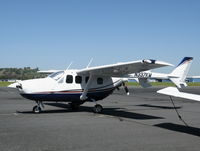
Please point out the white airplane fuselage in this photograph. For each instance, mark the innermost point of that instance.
(68, 86)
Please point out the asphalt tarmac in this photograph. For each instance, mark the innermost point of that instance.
(142, 121)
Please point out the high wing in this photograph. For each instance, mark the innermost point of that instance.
(122, 69)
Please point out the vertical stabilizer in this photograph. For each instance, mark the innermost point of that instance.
(181, 72)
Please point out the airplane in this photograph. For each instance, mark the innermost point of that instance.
(177, 76)
(172, 91)
(85, 85)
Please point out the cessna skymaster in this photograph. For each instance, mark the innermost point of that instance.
(86, 85)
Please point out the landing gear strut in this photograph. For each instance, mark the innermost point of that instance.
(38, 108)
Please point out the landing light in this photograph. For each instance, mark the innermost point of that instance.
(148, 61)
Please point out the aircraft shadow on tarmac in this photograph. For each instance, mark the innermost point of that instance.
(117, 112)
(120, 113)
(159, 107)
(180, 128)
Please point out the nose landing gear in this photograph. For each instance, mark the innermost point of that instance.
(38, 108)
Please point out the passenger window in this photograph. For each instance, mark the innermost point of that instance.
(69, 79)
(99, 81)
(78, 79)
(86, 79)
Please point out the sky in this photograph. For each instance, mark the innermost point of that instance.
(50, 34)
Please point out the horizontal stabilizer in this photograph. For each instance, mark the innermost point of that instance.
(172, 91)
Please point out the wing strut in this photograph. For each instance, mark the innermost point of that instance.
(85, 91)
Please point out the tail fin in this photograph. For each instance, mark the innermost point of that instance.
(181, 72)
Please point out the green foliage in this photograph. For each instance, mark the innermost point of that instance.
(167, 84)
(19, 73)
(193, 84)
(133, 84)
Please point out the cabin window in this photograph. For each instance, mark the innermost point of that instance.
(99, 81)
(69, 79)
(78, 79)
(86, 79)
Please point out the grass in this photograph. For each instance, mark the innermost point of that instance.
(194, 84)
(5, 84)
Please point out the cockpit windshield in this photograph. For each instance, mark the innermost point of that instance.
(56, 75)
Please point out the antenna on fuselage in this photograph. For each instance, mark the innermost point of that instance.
(69, 65)
(89, 63)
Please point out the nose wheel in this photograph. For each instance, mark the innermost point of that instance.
(38, 108)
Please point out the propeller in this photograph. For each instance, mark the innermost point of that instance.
(17, 85)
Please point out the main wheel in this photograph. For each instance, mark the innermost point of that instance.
(98, 108)
(37, 109)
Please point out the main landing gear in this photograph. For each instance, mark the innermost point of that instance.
(74, 106)
(38, 108)
(97, 108)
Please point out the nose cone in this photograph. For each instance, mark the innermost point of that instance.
(35, 85)
(21, 86)
(15, 85)
(18, 86)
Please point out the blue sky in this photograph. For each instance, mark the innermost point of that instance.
(49, 34)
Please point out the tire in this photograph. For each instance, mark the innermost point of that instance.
(98, 108)
(37, 109)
